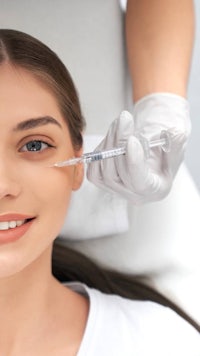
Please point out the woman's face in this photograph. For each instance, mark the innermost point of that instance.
(33, 135)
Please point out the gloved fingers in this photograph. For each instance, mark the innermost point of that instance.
(171, 160)
(109, 139)
(179, 138)
(118, 132)
(117, 135)
(94, 173)
(95, 170)
(162, 110)
(134, 176)
(111, 183)
(124, 129)
(135, 171)
(103, 173)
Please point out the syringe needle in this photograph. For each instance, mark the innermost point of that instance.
(164, 142)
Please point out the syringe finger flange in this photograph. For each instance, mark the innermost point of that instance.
(165, 135)
(164, 142)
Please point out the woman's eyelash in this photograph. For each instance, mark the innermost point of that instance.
(35, 146)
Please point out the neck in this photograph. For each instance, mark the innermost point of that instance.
(38, 314)
(25, 299)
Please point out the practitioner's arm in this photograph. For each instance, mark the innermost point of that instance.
(159, 36)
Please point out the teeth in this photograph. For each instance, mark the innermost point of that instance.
(5, 225)
(12, 224)
(20, 222)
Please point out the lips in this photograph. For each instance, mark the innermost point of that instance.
(15, 231)
(14, 217)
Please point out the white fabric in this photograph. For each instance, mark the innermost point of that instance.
(122, 327)
(94, 212)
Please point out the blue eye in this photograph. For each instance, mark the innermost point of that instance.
(35, 146)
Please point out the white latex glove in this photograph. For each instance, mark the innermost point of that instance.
(135, 177)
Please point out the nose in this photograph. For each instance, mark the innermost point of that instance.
(9, 185)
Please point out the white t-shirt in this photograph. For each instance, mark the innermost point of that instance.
(118, 326)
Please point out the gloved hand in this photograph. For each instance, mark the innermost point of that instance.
(133, 175)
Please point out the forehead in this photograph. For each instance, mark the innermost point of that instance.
(23, 95)
(17, 75)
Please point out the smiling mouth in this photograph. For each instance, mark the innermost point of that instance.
(10, 232)
(7, 225)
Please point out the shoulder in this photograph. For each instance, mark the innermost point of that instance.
(123, 326)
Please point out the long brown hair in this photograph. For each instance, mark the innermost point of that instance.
(22, 50)
(69, 265)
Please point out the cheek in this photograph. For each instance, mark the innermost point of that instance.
(45, 193)
(49, 191)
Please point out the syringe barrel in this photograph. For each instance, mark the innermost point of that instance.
(97, 156)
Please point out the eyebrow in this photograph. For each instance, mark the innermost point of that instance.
(36, 122)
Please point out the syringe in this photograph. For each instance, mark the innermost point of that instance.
(164, 142)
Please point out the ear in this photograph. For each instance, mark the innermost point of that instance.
(78, 173)
(78, 176)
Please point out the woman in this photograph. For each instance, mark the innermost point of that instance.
(41, 123)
